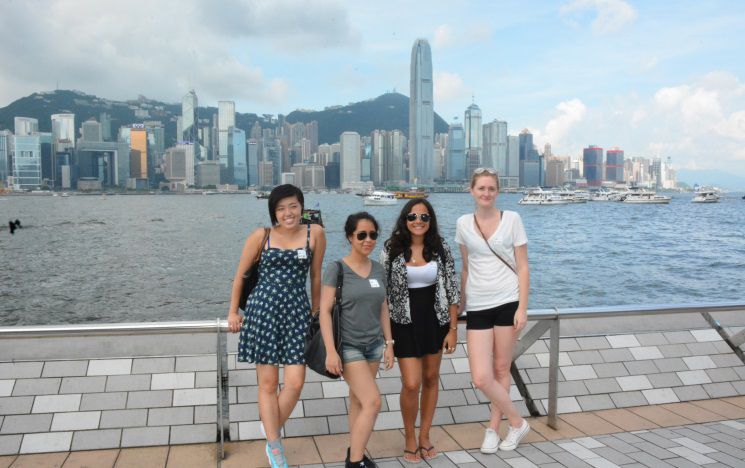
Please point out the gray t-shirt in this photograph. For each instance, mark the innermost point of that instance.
(361, 299)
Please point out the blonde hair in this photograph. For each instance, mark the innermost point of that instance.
(484, 172)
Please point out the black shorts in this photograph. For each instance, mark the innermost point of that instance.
(500, 316)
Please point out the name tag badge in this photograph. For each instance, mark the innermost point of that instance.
(374, 283)
(302, 254)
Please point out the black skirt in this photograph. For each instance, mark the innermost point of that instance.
(424, 335)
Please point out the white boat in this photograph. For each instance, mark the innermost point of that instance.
(541, 197)
(705, 196)
(380, 198)
(648, 198)
(604, 194)
(571, 196)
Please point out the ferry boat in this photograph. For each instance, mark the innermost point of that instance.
(705, 196)
(262, 195)
(604, 194)
(541, 197)
(411, 193)
(380, 198)
(571, 196)
(648, 198)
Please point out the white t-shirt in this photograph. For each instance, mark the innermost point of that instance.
(490, 283)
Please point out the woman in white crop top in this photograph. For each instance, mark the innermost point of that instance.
(495, 283)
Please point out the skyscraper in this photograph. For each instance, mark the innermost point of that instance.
(63, 131)
(138, 152)
(592, 158)
(27, 161)
(511, 177)
(252, 156)
(614, 165)
(25, 126)
(495, 146)
(455, 168)
(421, 114)
(472, 128)
(6, 140)
(351, 167)
(225, 120)
(189, 105)
(237, 157)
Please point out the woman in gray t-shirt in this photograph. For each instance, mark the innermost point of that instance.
(365, 330)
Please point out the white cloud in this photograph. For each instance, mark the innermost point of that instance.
(448, 87)
(568, 115)
(163, 50)
(610, 15)
(443, 36)
(446, 36)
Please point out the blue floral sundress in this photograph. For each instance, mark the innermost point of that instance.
(278, 311)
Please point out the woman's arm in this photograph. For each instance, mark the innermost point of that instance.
(385, 324)
(523, 279)
(328, 296)
(319, 249)
(463, 277)
(250, 251)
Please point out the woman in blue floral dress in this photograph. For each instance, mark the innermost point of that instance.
(278, 310)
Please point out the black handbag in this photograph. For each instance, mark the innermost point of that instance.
(315, 349)
(251, 277)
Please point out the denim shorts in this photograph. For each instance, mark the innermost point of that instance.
(372, 352)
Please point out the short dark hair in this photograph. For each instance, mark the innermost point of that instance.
(279, 193)
(355, 218)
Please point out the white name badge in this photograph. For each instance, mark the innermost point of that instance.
(374, 283)
(302, 254)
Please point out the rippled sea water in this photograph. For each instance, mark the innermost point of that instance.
(150, 258)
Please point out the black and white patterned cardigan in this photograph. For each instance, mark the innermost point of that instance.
(447, 290)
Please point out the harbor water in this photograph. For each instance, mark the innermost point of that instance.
(94, 259)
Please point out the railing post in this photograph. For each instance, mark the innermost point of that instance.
(223, 423)
(553, 371)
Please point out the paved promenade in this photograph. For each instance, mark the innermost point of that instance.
(707, 433)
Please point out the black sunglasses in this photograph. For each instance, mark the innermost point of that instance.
(425, 217)
(362, 235)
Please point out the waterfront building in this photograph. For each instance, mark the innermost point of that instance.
(47, 159)
(178, 164)
(439, 154)
(350, 167)
(225, 120)
(377, 159)
(25, 126)
(309, 176)
(365, 163)
(336, 152)
(592, 158)
(252, 156)
(287, 178)
(207, 174)
(614, 165)
(473, 133)
(272, 152)
(331, 174)
(323, 155)
(107, 161)
(421, 114)
(27, 161)
(255, 133)
(394, 147)
(456, 158)
(138, 151)
(105, 120)
(495, 146)
(91, 131)
(555, 168)
(266, 174)
(189, 119)
(510, 178)
(63, 131)
(6, 142)
(311, 133)
(237, 161)
(530, 171)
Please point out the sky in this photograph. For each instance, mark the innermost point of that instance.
(655, 78)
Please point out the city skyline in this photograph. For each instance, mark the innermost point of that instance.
(657, 80)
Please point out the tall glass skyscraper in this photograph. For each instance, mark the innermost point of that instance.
(6, 140)
(472, 128)
(455, 168)
(614, 161)
(592, 160)
(351, 163)
(189, 117)
(495, 146)
(25, 126)
(237, 158)
(63, 129)
(27, 162)
(225, 120)
(252, 155)
(421, 114)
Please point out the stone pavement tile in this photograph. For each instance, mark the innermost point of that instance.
(654, 450)
(666, 379)
(735, 442)
(727, 459)
(5, 462)
(301, 451)
(720, 390)
(679, 337)
(674, 351)
(41, 460)
(144, 457)
(626, 399)
(534, 454)
(564, 431)
(440, 439)
(692, 412)
(569, 460)
(660, 416)
(724, 374)
(691, 392)
(613, 455)
(626, 419)
(691, 434)
(648, 460)
(332, 448)
(617, 444)
(659, 396)
(192, 456)
(656, 439)
(628, 437)
(670, 365)
(692, 455)
(92, 459)
(492, 461)
(622, 341)
(606, 385)
(651, 339)
(468, 436)
(246, 454)
(726, 409)
(547, 447)
(739, 401)
(610, 369)
(459, 457)
(595, 402)
(384, 444)
(693, 445)
(590, 424)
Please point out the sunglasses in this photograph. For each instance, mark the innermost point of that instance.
(362, 235)
(487, 170)
(411, 217)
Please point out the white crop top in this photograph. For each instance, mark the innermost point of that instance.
(421, 276)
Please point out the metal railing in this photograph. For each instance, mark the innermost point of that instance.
(548, 320)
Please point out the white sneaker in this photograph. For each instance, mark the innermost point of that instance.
(514, 436)
(491, 441)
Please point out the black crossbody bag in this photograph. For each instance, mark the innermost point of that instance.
(315, 349)
(251, 277)
(487, 241)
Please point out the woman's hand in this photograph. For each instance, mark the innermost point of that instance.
(521, 318)
(234, 322)
(333, 363)
(448, 345)
(388, 357)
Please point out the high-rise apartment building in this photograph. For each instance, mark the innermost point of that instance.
(511, 176)
(237, 156)
(225, 120)
(27, 161)
(592, 158)
(138, 152)
(614, 165)
(555, 168)
(455, 165)
(252, 157)
(473, 133)
(421, 114)
(350, 167)
(495, 146)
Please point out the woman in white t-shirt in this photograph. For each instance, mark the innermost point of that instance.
(494, 293)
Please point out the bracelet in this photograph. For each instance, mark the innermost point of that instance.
(454, 328)
(387, 342)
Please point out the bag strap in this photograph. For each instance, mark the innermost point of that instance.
(307, 241)
(261, 249)
(487, 242)
(339, 282)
